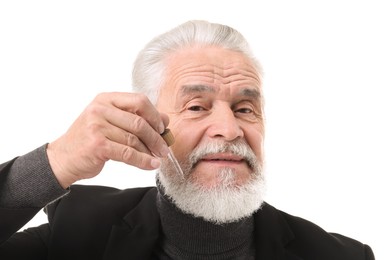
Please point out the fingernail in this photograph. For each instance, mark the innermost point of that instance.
(164, 151)
(155, 163)
(161, 128)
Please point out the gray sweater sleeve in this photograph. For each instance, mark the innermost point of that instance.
(30, 182)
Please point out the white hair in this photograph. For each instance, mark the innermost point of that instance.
(225, 202)
(149, 66)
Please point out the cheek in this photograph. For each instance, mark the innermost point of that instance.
(187, 137)
(255, 139)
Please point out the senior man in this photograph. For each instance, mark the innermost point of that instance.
(203, 80)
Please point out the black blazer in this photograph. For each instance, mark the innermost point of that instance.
(95, 222)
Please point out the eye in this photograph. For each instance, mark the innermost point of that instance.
(247, 111)
(244, 110)
(196, 108)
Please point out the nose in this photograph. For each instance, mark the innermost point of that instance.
(224, 124)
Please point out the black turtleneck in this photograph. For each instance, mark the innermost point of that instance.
(187, 237)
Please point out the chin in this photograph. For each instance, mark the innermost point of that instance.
(218, 182)
(228, 177)
(220, 200)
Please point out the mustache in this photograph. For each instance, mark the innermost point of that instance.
(238, 147)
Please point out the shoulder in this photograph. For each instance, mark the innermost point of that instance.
(100, 201)
(85, 218)
(4, 167)
(309, 240)
(101, 194)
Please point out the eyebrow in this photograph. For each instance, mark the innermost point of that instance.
(250, 92)
(186, 90)
(190, 89)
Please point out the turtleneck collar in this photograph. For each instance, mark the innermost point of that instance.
(188, 237)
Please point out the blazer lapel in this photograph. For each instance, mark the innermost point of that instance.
(272, 233)
(138, 233)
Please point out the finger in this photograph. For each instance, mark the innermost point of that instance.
(129, 155)
(165, 119)
(135, 128)
(138, 104)
(120, 136)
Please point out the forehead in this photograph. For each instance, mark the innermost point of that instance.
(210, 66)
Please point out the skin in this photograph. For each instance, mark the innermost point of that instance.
(213, 94)
(126, 127)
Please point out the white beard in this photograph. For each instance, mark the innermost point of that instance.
(227, 202)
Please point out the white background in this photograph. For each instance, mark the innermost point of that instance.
(327, 85)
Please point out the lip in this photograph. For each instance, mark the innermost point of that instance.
(223, 158)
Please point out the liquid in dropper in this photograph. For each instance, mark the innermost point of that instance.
(169, 139)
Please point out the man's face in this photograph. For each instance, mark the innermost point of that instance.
(213, 95)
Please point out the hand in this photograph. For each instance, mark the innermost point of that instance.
(124, 127)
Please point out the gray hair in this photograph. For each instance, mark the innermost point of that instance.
(149, 66)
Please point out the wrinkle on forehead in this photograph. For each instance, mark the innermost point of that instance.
(216, 72)
(214, 60)
(212, 69)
